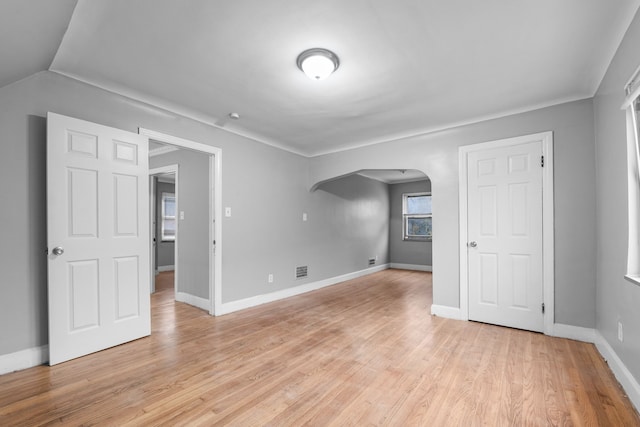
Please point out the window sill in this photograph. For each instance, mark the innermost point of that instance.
(633, 278)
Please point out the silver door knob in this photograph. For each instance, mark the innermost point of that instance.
(58, 250)
(473, 244)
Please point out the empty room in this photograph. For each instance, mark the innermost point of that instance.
(288, 213)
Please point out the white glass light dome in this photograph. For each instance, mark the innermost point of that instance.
(317, 63)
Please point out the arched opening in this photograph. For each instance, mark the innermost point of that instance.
(409, 220)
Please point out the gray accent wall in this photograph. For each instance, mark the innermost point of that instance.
(616, 298)
(265, 187)
(436, 154)
(165, 250)
(406, 251)
(193, 231)
(192, 275)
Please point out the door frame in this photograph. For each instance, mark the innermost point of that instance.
(152, 196)
(215, 209)
(548, 268)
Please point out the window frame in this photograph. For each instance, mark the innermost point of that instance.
(631, 105)
(163, 216)
(406, 217)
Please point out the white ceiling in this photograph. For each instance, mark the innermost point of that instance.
(30, 33)
(407, 66)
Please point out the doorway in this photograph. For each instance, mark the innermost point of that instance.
(210, 209)
(163, 209)
(506, 232)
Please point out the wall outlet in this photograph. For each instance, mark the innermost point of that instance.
(227, 212)
(270, 278)
(181, 214)
(620, 334)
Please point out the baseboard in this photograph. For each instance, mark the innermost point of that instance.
(574, 332)
(193, 300)
(622, 374)
(230, 307)
(446, 311)
(416, 267)
(24, 359)
(162, 268)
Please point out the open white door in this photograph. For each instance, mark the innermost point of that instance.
(98, 237)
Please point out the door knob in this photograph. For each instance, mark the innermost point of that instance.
(473, 244)
(58, 250)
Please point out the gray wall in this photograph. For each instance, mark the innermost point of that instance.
(406, 251)
(192, 276)
(265, 187)
(617, 299)
(436, 154)
(165, 251)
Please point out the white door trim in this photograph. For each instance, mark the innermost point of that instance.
(215, 209)
(155, 171)
(546, 139)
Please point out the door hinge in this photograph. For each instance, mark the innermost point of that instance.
(542, 308)
(541, 161)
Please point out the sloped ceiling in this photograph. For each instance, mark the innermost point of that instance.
(407, 66)
(30, 33)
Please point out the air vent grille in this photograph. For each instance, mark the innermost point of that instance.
(302, 272)
(372, 261)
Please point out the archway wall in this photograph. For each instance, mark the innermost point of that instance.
(436, 154)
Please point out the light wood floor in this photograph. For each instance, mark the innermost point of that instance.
(365, 352)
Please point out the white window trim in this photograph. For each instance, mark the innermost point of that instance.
(406, 217)
(163, 217)
(632, 91)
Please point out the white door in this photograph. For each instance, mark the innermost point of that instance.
(98, 237)
(505, 264)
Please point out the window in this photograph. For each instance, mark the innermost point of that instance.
(416, 216)
(168, 227)
(632, 107)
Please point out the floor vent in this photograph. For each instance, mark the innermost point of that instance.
(302, 272)
(372, 261)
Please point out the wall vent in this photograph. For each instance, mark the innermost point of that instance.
(372, 261)
(302, 272)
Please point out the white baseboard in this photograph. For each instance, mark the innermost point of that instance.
(230, 307)
(165, 268)
(574, 332)
(193, 300)
(622, 374)
(24, 359)
(446, 311)
(416, 267)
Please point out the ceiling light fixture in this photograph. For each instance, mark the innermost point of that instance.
(318, 63)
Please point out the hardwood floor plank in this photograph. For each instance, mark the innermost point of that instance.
(365, 352)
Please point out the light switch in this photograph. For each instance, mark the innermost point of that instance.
(181, 214)
(227, 211)
(304, 216)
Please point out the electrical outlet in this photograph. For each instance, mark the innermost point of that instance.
(620, 334)
(270, 278)
(227, 212)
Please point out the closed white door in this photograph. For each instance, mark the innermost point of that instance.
(98, 237)
(505, 264)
